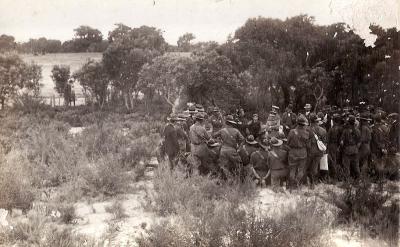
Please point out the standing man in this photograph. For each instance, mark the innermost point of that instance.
(198, 138)
(254, 127)
(298, 142)
(249, 147)
(171, 142)
(216, 120)
(259, 167)
(307, 109)
(317, 134)
(288, 119)
(229, 158)
(334, 134)
(278, 162)
(378, 144)
(351, 142)
(365, 148)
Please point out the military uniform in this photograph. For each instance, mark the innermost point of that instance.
(171, 143)
(278, 163)
(334, 134)
(229, 159)
(365, 148)
(288, 121)
(378, 146)
(259, 162)
(245, 152)
(351, 140)
(254, 128)
(198, 138)
(298, 141)
(315, 154)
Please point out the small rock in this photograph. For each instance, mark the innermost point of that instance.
(3, 216)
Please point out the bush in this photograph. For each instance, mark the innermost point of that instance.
(15, 183)
(208, 212)
(39, 231)
(370, 208)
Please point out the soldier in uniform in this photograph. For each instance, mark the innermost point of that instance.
(210, 160)
(351, 141)
(229, 159)
(198, 138)
(259, 164)
(278, 162)
(254, 126)
(315, 154)
(307, 111)
(378, 144)
(247, 149)
(334, 134)
(171, 142)
(216, 120)
(298, 141)
(288, 119)
(365, 148)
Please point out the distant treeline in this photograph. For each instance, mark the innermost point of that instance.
(87, 39)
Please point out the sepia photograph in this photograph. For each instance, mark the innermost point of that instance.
(199, 123)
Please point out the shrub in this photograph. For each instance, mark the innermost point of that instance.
(15, 190)
(370, 208)
(67, 213)
(117, 210)
(207, 212)
(39, 231)
(104, 176)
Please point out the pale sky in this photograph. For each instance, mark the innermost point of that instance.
(206, 19)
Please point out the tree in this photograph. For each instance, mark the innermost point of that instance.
(184, 42)
(166, 76)
(61, 75)
(16, 75)
(93, 80)
(85, 38)
(127, 53)
(7, 43)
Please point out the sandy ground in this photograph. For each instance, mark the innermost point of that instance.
(96, 221)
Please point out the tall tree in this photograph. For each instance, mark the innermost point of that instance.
(61, 75)
(129, 50)
(184, 42)
(16, 75)
(93, 80)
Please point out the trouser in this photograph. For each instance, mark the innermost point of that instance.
(297, 169)
(230, 162)
(172, 160)
(333, 155)
(364, 163)
(278, 177)
(351, 165)
(313, 168)
(197, 155)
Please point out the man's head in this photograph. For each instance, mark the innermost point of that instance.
(241, 112)
(275, 142)
(351, 120)
(229, 120)
(289, 108)
(199, 117)
(255, 117)
(302, 120)
(307, 107)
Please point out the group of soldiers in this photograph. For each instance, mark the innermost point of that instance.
(304, 148)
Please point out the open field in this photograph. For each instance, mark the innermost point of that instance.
(74, 60)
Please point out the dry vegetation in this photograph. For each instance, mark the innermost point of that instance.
(45, 170)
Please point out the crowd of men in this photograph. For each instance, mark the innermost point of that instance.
(304, 148)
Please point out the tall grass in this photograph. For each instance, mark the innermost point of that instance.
(202, 211)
